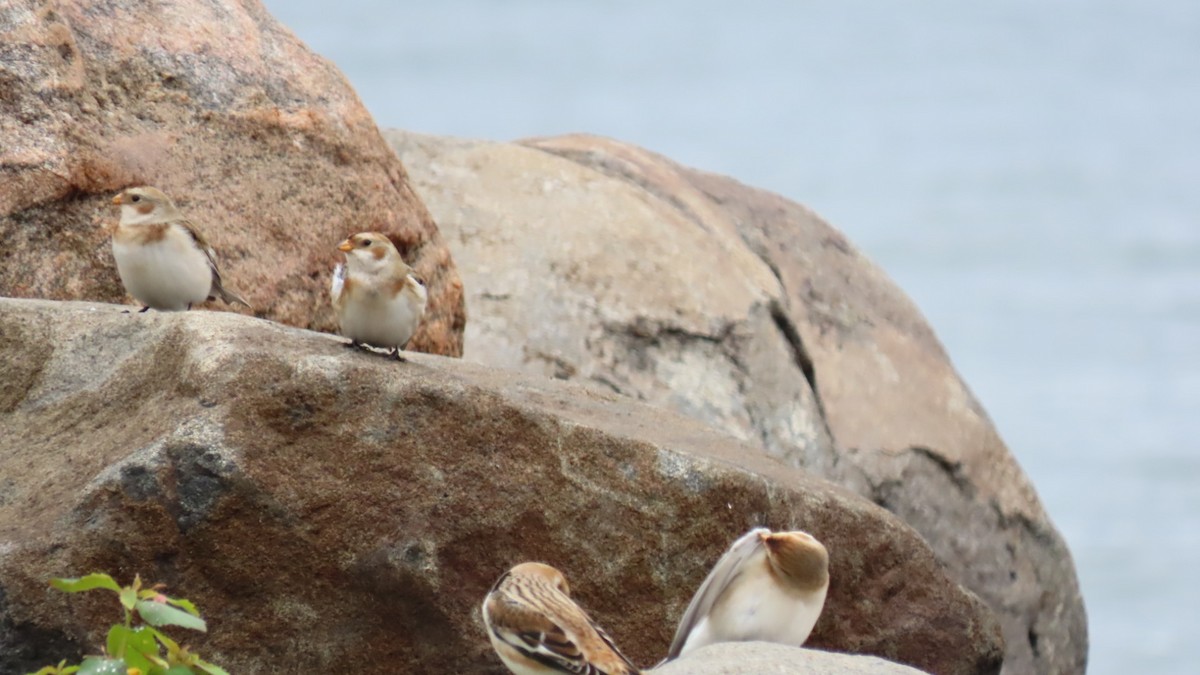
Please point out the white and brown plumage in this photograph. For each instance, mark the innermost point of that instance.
(537, 629)
(163, 260)
(768, 586)
(378, 299)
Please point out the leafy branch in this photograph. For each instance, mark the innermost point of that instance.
(139, 649)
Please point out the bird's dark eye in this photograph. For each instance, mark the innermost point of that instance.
(419, 280)
(366, 243)
(135, 198)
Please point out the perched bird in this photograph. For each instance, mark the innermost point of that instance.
(537, 628)
(378, 299)
(768, 586)
(163, 260)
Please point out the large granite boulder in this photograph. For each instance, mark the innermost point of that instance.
(263, 143)
(761, 658)
(332, 510)
(591, 260)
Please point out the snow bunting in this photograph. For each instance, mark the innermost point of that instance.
(537, 628)
(768, 586)
(163, 260)
(378, 299)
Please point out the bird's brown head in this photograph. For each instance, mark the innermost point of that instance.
(798, 558)
(144, 203)
(372, 253)
(542, 573)
(375, 244)
(144, 197)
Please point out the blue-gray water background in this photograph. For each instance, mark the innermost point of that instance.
(1027, 170)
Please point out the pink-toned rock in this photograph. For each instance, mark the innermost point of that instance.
(260, 141)
(335, 511)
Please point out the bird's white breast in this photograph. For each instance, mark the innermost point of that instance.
(379, 318)
(757, 607)
(168, 274)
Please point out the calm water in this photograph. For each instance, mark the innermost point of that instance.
(1029, 171)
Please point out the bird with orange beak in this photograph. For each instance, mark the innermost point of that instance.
(378, 298)
(163, 260)
(769, 586)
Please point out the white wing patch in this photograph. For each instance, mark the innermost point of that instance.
(718, 581)
(339, 280)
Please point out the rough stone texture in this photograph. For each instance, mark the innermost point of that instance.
(335, 511)
(588, 259)
(260, 141)
(763, 658)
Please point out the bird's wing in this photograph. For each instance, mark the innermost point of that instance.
(614, 662)
(337, 283)
(534, 635)
(218, 290)
(201, 243)
(540, 637)
(722, 575)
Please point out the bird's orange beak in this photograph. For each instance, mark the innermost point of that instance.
(119, 199)
(346, 246)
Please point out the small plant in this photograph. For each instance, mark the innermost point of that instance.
(138, 650)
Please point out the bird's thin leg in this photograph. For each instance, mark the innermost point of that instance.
(144, 309)
(189, 306)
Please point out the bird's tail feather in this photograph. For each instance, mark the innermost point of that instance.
(229, 296)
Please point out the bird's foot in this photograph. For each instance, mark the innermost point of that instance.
(144, 309)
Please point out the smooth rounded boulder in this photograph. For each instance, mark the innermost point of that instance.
(592, 260)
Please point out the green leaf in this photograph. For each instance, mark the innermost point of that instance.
(136, 660)
(94, 665)
(118, 635)
(158, 665)
(161, 614)
(184, 604)
(171, 645)
(86, 583)
(180, 670)
(132, 644)
(142, 642)
(128, 597)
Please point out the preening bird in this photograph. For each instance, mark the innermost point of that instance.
(163, 260)
(537, 629)
(378, 298)
(768, 586)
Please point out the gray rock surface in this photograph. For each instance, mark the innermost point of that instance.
(592, 260)
(762, 658)
(331, 510)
